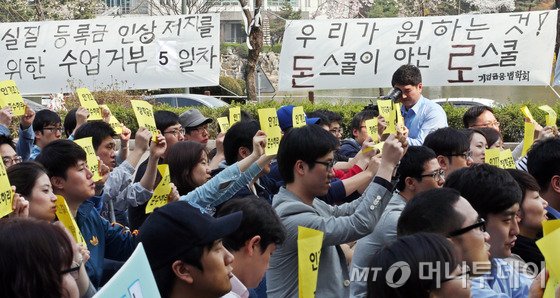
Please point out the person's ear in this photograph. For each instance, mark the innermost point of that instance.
(555, 183)
(182, 271)
(253, 245)
(355, 132)
(410, 183)
(243, 152)
(420, 86)
(443, 162)
(299, 167)
(57, 182)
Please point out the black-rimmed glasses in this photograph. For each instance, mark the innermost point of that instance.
(328, 164)
(176, 132)
(481, 224)
(438, 175)
(465, 155)
(54, 129)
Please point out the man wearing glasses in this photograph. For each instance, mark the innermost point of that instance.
(195, 125)
(8, 152)
(305, 160)
(48, 127)
(418, 171)
(451, 147)
(496, 196)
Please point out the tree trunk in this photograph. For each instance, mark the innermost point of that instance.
(256, 41)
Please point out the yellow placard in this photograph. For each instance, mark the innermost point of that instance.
(145, 116)
(10, 96)
(92, 162)
(234, 115)
(371, 128)
(6, 193)
(269, 124)
(492, 157)
(65, 217)
(88, 102)
(298, 117)
(548, 246)
(400, 118)
(386, 110)
(159, 198)
(115, 124)
(528, 137)
(309, 244)
(550, 225)
(527, 113)
(223, 122)
(506, 159)
(551, 115)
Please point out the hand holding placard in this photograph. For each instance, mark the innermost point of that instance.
(88, 102)
(161, 193)
(67, 219)
(269, 124)
(10, 96)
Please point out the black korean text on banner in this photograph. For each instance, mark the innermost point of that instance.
(486, 49)
(118, 53)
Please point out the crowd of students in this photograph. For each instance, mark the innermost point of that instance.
(423, 217)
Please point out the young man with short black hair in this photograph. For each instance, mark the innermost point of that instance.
(185, 251)
(451, 147)
(351, 146)
(253, 243)
(421, 115)
(305, 160)
(496, 196)
(71, 178)
(543, 163)
(47, 127)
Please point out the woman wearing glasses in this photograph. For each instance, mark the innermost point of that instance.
(417, 265)
(31, 182)
(39, 259)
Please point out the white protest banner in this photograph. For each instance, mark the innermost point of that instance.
(111, 53)
(134, 280)
(485, 49)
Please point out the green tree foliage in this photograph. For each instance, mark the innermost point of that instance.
(277, 23)
(383, 9)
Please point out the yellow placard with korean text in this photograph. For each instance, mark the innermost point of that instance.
(548, 246)
(492, 157)
(114, 122)
(309, 244)
(6, 193)
(145, 116)
(89, 103)
(65, 217)
(506, 159)
(371, 128)
(527, 113)
(386, 110)
(551, 115)
(161, 193)
(10, 96)
(268, 120)
(234, 115)
(298, 117)
(91, 157)
(223, 122)
(528, 137)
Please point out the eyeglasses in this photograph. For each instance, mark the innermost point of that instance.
(75, 270)
(465, 155)
(488, 124)
(438, 175)
(9, 161)
(199, 129)
(54, 129)
(176, 132)
(480, 223)
(328, 164)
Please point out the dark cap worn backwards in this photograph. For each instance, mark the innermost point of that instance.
(193, 118)
(172, 230)
(285, 117)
